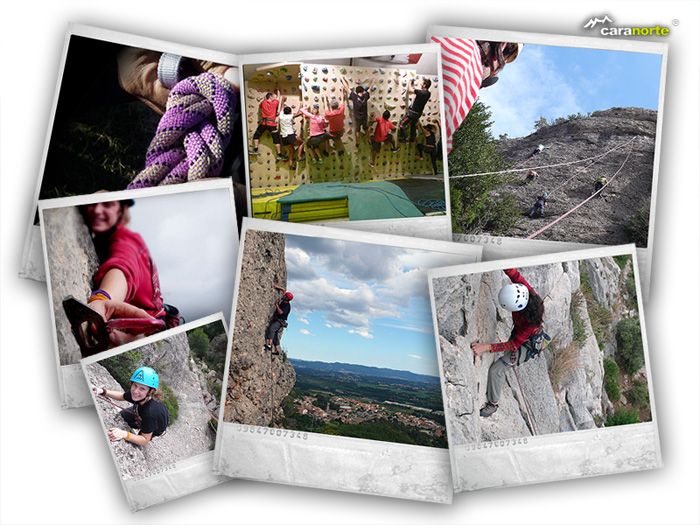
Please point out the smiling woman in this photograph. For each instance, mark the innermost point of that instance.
(126, 284)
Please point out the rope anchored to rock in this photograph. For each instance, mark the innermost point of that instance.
(192, 136)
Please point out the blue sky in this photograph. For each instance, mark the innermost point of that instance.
(553, 81)
(361, 303)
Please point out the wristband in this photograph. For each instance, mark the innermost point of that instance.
(99, 295)
(170, 69)
(128, 436)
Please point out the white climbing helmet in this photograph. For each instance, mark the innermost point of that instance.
(513, 297)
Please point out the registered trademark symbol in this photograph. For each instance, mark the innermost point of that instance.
(675, 21)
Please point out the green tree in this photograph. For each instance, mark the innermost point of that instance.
(199, 342)
(630, 352)
(541, 123)
(474, 208)
(611, 379)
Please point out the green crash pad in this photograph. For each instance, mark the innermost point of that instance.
(366, 200)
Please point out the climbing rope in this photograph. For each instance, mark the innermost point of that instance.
(514, 170)
(192, 135)
(528, 411)
(572, 210)
(557, 188)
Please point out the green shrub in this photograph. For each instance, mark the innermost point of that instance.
(638, 395)
(611, 379)
(170, 401)
(122, 366)
(577, 321)
(622, 416)
(631, 289)
(637, 227)
(199, 342)
(630, 353)
(621, 260)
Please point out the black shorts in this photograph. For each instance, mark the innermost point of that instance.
(359, 124)
(273, 331)
(337, 135)
(316, 140)
(376, 146)
(263, 128)
(289, 140)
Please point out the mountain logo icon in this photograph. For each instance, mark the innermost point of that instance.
(592, 22)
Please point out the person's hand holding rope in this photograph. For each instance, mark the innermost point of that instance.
(109, 309)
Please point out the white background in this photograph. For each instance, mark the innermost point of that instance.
(54, 466)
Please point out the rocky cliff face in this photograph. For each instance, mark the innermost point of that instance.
(602, 220)
(188, 436)
(258, 381)
(72, 263)
(559, 391)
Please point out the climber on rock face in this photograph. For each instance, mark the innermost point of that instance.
(148, 414)
(126, 284)
(278, 320)
(527, 310)
(537, 210)
(539, 149)
(600, 183)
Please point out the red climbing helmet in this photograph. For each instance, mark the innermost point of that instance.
(288, 296)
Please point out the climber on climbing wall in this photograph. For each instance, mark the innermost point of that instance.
(318, 138)
(267, 122)
(359, 97)
(288, 136)
(531, 176)
(539, 149)
(429, 147)
(414, 112)
(278, 320)
(126, 283)
(527, 309)
(537, 210)
(147, 414)
(335, 115)
(599, 184)
(382, 134)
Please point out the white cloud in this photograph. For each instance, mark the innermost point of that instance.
(415, 356)
(527, 89)
(304, 331)
(302, 320)
(362, 332)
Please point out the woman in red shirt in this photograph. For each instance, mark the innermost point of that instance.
(527, 310)
(126, 284)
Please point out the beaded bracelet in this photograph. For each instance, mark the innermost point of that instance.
(99, 295)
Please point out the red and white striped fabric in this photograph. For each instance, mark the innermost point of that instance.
(461, 79)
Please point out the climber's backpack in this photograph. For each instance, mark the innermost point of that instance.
(536, 344)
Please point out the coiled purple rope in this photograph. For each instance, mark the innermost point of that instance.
(192, 135)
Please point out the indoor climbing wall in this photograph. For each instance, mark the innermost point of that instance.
(309, 84)
(265, 170)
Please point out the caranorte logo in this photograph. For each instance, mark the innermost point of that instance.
(607, 29)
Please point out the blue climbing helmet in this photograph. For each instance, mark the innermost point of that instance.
(145, 375)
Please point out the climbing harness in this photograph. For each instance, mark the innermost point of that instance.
(91, 331)
(557, 165)
(192, 136)
(572, 210)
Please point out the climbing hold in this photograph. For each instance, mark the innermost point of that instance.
(324, 69)
(314, 70)
(288, 77)
(304, 68)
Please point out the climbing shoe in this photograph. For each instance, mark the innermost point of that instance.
(268, 347)
(394, 150)
(488, 409)
(282, 157)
